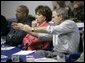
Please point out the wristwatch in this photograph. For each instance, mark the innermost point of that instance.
(32, 29)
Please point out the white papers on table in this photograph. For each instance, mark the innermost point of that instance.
(7, 48)
(4, 56)
(23, 52)
(80, 24)
(45, 60)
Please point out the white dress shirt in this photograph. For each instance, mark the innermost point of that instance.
(65, 36)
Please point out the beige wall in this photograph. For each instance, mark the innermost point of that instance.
(8, 8)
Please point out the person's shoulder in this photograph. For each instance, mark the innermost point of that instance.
(31, 17)
(3, 18)
(69, 21)
(12, 19)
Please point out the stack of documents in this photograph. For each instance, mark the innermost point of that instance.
(22, 52)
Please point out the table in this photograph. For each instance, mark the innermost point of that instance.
(32, 57)
(7, 52)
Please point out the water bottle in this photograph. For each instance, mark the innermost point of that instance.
(15, 58)
(30, 58)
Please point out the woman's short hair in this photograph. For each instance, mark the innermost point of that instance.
(45, 11)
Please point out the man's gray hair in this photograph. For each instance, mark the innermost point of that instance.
(62, 11)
